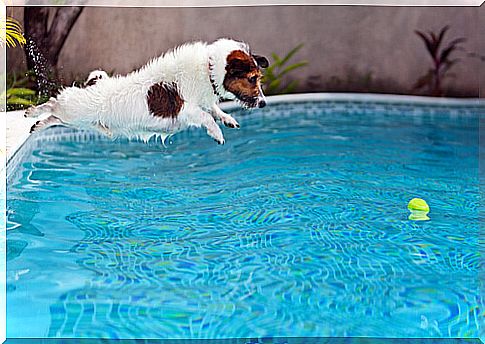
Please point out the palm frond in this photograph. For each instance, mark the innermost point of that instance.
(11, 33)
(442, 34)
(427, 41)
(453, 45)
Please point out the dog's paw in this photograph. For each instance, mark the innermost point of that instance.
(230, 122)
(35, 127)
(216, 133)
(219, 138)
(30, 112)
(105, 130)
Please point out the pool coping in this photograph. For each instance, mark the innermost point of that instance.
(18, 127)
(366, 97)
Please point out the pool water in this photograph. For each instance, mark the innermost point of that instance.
(298, 226)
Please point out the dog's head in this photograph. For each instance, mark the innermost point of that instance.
(241, 76)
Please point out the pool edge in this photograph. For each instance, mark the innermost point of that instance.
(18, 127)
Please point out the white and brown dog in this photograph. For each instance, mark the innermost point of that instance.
(181, 88)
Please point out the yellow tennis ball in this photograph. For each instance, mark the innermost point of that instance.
(418, 204)
(419, 209)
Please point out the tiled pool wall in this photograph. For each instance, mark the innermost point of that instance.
(377, 106)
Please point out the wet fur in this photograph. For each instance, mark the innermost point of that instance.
(181, 88)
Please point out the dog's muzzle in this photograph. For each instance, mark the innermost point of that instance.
(261, 98)
(253, 102)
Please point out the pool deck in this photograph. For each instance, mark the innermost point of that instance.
(17, 131)
(18, 127)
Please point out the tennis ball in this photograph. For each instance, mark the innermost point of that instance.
(419, 209)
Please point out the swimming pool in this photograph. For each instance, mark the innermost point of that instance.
(298, 226)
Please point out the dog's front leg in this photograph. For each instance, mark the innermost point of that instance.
(212, 128)
(225, 118)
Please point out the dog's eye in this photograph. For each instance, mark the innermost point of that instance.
(253, 79)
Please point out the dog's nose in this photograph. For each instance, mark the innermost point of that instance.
(262, 104)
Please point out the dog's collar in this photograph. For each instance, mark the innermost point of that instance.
(215, 86)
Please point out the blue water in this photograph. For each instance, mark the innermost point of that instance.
(297, 226)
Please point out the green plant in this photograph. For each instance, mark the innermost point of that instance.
(19, 93)
(273, 75)
(442, 62)
(11, 33)
(20, 97)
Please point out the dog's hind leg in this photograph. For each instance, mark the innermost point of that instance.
(45, 123)
(36, 111)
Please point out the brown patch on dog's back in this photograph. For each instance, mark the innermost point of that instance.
(164, 100)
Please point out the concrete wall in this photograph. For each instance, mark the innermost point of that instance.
(349, 48)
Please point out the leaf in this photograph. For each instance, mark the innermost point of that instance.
(457, 41)
(293, 67)
(453, 45)
(445, 53)
(20, 92)
(276, 59)
(291, 53)
(268, 73)
(427, 42)
(12, 33)
(291, 87)
(448, 64)
(19, 101)
(275, 83)
(273, 86)
(441, 35)
(434, 39)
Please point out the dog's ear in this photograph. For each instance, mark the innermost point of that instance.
(238, 67)
(261, 61)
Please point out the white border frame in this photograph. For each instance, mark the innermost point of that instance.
(197, 3)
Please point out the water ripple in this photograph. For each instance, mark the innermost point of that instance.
(298, 226)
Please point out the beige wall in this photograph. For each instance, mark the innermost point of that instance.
(348, 47)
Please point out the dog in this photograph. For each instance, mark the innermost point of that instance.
(94, 76)
(177, 90)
